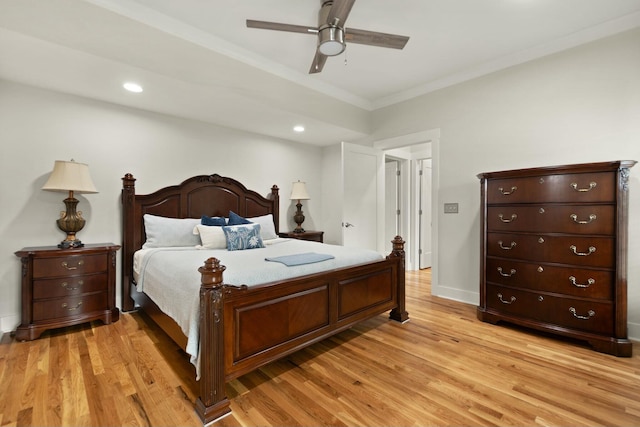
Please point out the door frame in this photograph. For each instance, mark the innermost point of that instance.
(432, 136)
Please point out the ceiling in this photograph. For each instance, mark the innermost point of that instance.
(196, 59)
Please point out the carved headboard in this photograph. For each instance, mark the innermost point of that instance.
(211, 195)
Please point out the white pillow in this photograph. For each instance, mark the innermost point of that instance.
(212, 236)
(267, 227)
(166, 232)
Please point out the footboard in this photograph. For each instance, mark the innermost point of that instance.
(244, 328)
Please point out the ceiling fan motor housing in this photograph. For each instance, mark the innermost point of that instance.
(330, 35)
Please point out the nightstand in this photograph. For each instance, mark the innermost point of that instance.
(64, 287)
(313, 236)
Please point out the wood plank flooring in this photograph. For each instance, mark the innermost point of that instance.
(443, 368)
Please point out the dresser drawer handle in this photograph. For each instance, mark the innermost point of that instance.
(506, 302)
(506, 193)
(592, 185)
(66, 265)
(590, 314)
(511, 273)
(65, 305)
(66, 285)
(513, 218)
(574, 217)
(581, 285)
(506, 248)
(592, 249)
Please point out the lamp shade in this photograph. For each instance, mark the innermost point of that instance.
(299, 191)
(70, 176)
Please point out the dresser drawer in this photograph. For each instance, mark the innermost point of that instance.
(69, 306)
(584, 315)
(585, 283)
(69, 265)
(579, 187)
(69, 286)
(572, 219)
(572, 250)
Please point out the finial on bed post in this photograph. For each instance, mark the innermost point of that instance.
(399, 313)
(212, 403)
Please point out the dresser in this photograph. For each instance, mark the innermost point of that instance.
(554, 251)
(64, 287)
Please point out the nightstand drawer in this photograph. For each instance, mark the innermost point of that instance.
(69, 265)
(69, 286)
(68, 307)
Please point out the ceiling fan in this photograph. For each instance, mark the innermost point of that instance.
(332, 34)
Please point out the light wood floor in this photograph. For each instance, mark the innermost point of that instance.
(444, 367)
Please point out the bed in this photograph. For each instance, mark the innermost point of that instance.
(240, 327)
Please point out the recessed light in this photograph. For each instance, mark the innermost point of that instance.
(298, 128)
(132, 87)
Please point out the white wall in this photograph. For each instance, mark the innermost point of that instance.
(581, 105)
(38, 127)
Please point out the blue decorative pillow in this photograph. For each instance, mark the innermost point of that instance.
(235, 219)
(245, 236)
(213, 220)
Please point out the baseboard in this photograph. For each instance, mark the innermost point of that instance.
(456, 294)
(9, 323)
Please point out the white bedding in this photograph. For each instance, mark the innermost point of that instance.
(170, 277)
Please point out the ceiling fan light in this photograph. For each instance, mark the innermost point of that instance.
(331, 41)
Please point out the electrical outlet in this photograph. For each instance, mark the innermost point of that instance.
(450, 208)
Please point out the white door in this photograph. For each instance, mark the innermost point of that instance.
(363, 185)
(424, 210)
(391, 204)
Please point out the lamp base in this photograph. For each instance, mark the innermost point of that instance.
(70, 244)
(299, 218)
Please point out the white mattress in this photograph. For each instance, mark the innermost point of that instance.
(170, 277)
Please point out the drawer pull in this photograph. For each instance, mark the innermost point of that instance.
(590, 314)
(66, 265)
(506, 193)
(581, 285)
(513, 218)
(592, 249)
(506, 248)
(65, 305)
(540, 298)
(574, 217)
(540, 269)
(66, 285)
(506, 302)
(511, 273)
(592, 185)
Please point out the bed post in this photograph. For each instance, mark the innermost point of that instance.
(128, 215)
(276, 206)
(212, 403)
(399, 313)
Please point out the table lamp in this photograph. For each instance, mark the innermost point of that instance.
(72, 177)
(299, 192)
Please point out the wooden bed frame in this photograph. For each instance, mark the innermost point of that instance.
(244, 328)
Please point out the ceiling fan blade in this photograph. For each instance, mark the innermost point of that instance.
(339, 12)
(264, 25)
(373, 38)
(318, 63)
